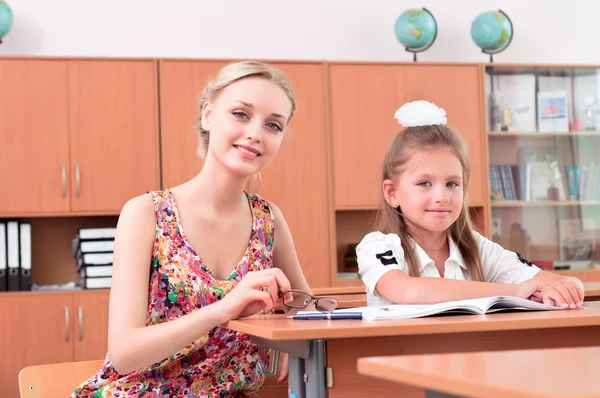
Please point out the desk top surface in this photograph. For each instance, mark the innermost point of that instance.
(557, 372)
(592, 289)
(279, 327)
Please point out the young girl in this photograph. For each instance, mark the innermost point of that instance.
(425, 249)
(190, 258)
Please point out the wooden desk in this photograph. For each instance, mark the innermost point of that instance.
(544, 373)
(592, 291)
(336, 345)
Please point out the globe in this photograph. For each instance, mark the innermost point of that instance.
(416, 29)
(6, 19)
(492, 31)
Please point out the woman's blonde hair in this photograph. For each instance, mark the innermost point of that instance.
(235, 72)
(391, 220)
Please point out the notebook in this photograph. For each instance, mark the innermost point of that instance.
(479, 306)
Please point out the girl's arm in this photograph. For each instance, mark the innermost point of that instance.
(131, 344)
(400, 288)
(384, 272)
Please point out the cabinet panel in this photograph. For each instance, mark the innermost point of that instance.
(296, 180)
(364, 99)
(36, 329)
(90, 310)
(181, 84)
(34, 136)
(457, 90)
(113, 132)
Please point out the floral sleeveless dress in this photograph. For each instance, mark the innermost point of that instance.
(222, 363)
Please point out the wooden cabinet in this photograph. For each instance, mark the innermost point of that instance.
(41, 328)
(34, 136)
(181, 84)
(113, 118)
(90, 334)
(296, 179)
(364, 99)
(457, 89)
(76, 136)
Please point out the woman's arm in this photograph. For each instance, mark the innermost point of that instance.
(284, 253)
(131, 344)
(400, 288)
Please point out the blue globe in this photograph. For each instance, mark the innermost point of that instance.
(416, 28)
(492, 31)
(6, 19)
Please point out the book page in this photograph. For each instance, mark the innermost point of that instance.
(472, 306)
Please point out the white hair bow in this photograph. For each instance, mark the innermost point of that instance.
(420, 113)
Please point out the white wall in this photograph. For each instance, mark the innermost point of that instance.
(546, 31)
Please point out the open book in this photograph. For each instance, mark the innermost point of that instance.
(484, 305)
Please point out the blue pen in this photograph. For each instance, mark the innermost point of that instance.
(328, 316)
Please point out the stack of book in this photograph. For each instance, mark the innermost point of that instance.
(93, 252)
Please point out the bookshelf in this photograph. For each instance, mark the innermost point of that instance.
(543, 131)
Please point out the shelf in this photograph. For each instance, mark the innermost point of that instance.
(550, 203)
(539, 134)
(357, 208)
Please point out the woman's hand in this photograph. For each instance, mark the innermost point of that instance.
(284, 367)
(258, 290)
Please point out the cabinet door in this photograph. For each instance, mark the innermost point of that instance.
(36, 329)
(90, 310)
(364, 99)
(456, 88)
(181, 83)
(296, 180)
(113, 133)
(34, 134)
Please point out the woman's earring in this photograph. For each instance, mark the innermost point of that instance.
(395, 206)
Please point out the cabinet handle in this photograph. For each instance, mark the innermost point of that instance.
(77, 180)
(67, 324)
(64, 181)
(80, 313)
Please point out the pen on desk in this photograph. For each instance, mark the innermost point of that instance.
(328, 316)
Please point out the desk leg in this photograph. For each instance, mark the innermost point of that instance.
(307, 376)
(296, 376)
(314, 367)
(307, 365)
(437, 394)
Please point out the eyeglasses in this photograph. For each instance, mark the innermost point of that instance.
(299, 299)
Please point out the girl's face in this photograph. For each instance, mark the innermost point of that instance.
(429, 191)
(246, 123)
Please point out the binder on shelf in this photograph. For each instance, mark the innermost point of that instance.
(96, 271)
(96, 233)
(95, 283)
(3, 258)
(25, 252)
(94, 259)
(90, 240)
(12, 239)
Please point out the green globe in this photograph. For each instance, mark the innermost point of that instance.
(416, 29)
(492, 31)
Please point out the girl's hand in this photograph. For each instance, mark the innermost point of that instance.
(566, 292)
(258, 290)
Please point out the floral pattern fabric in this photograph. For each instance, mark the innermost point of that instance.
(222, 363)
